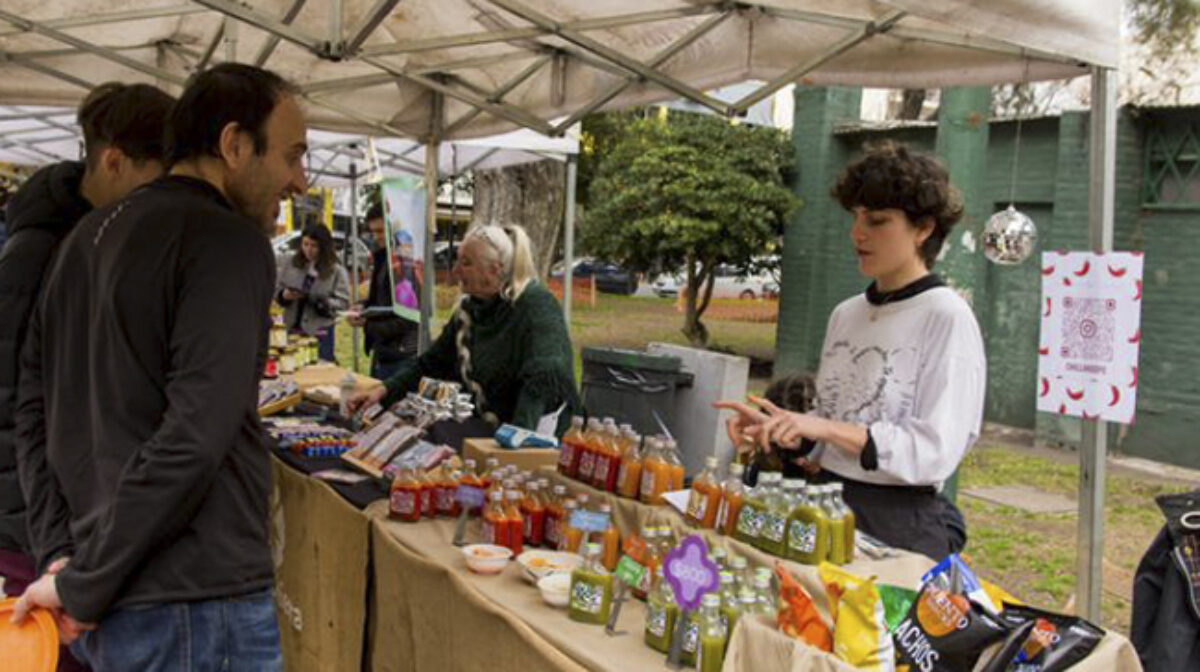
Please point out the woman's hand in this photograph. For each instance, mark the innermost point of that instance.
(365, 399)
(743, 427)
(787, 428)
(290, 294)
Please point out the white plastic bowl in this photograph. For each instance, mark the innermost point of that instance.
(556, 589)
(538, 564)
(486, 558)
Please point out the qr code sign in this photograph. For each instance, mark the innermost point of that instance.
(1088, 328)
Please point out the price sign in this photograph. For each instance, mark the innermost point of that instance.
(590, 521)
(629, 571)
(469, 496)
(690, 572)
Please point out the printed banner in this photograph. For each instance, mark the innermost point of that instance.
(404, 217)
(1091, 334)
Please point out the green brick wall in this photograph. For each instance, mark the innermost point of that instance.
(1051, 187)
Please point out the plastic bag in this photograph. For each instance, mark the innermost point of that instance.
(798, 616)
(896, 603)
(860, 632)
(1042, 641)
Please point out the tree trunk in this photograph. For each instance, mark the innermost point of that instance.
(699, 283)
(531, 195)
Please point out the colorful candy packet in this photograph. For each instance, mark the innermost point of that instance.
(798, 616)
(860, 632)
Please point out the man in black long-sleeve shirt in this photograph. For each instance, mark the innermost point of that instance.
(139, 444)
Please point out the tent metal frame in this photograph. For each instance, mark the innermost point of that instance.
(543, 38)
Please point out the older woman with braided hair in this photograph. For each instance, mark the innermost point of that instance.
(506, 341)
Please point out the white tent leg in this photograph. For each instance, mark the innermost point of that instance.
(1092, 462)
(432, 149)
(353, 246)
(569, 240)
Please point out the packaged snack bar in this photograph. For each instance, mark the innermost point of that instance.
(1042, 641)
(798, 616)
(860, 633)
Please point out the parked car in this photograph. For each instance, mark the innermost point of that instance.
(728, 283)
(610, 278)
(285, 245)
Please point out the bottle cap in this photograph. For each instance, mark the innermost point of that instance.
(710, 462)
(496, 496)
(593, 548)
(736, 469)
(726, 577)
(738, 562)
(560, 490)
(711, 600)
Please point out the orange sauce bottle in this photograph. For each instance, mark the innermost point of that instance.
(656, 477)
(554, 517)
(470, 478)
(608, 462)
(671, 453)
(533, 515)
(572, 449)
(491, 465)
(429, 488)
(404, 500)
(629, 478)
(495, 521)
(651, 559)
(704, 501)
(447, 504)
(587, 455)
(733, 494)
(610, 541)
(572, 537)
(516, 523)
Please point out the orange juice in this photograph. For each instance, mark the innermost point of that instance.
(705, 497)
(572, 537)
(733, 492)
(671, 453)
(587, 456)
(629, 478)
(656, 476)
(610, 541)
(608, 462)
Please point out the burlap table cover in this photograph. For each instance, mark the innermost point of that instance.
(319, 545)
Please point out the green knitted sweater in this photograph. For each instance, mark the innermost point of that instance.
(520, 354)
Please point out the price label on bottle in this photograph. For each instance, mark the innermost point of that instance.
(630, 571)
(590, 521)
(469, 496)
(690, 572)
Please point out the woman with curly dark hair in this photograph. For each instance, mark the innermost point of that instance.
(899, 391)
(313, 287)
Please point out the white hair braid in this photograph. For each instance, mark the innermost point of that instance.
(464, 362)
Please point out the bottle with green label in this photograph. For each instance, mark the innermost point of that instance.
(808, 530)
(848, 518)
(661, 612)
(741, 572)
(747, 604)
(712, 635)
(730, 608)
(772, 537)
(765, 602)
(837, 526)
(719, 556)
(591, 590)
(749, 521)
(691, 638)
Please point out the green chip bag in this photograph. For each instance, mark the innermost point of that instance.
(896, 603)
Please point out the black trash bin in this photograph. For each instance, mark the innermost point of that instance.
(632, 387)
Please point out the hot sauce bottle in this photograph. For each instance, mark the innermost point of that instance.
(705, 497)
(608, 460)
(733, 491)
(572, 449)
(516, 522)
(675, 464)
(533, 515)
(572, 537)
(404, 500)
(610, 541)
(587, 455)
(656, 476)
(429, 488)
(629, 478)
(495, 520)
(447, 503)
(554, 517)
(491, 465)
(471, 479)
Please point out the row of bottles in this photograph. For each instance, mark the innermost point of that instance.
(787, 518)
(616, 459)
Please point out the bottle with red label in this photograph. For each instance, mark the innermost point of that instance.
(447, 502)
(471, 479)
(554, 517)
(608, 467)
(404, 500)
(587, 457)
(572, 443)
(516, 522)
(533, 515)
(495, 520)
(429, 488)
(491, 465)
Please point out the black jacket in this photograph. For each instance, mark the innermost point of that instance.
(391, 339)
(1165, 626)
(138, 438)
(39, 216)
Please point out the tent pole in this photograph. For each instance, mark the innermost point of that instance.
(432, 147)
(569, 240)
(353, 252)
(1094, 448)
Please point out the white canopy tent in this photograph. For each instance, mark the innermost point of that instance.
(444, 69)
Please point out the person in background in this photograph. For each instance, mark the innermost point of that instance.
(141, 454)
(902, 376)
(313, 288)
(506, 342)
(122, 129)
(390, 339)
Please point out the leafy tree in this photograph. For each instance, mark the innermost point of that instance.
(689, 191)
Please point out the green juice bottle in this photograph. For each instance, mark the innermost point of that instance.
(691, 638)
(661, 613)
(591, 590)
(808, 529)
(765, 602)
(712, 636)
(749, 521)
(837, 526)
(772, 537)
(848, 520)
(730, 608)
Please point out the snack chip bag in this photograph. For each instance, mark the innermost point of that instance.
(798, 616)
(945, 630)
(896, 603)
(954, 567)
(1042, 641)
(860, 632)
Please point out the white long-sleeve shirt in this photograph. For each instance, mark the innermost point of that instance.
(914, 372)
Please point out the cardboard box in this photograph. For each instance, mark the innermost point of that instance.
(528, 459)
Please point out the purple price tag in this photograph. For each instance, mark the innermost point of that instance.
(690, 572)
(469, 496)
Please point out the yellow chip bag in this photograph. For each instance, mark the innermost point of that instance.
(860, 632)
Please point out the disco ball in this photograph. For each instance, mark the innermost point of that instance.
(1009, 237)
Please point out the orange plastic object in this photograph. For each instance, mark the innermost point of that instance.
(31, 646)
(798, 616)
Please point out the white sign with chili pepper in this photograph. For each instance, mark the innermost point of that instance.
(1091, 334)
